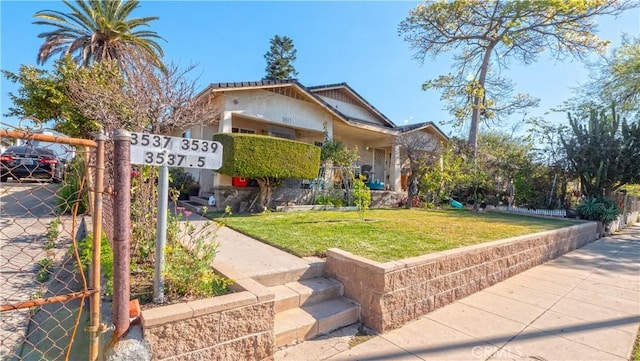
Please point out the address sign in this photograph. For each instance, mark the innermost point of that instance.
(154, 149)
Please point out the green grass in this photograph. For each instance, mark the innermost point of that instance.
(387, 234)
(635, 356)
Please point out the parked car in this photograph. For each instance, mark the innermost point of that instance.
(31, 162)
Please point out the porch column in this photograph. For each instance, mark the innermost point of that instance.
(395, 169)
(225, 123)
(206, 175)
(225, 127)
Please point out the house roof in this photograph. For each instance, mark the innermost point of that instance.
(419, 126)
(247, 84)
(264, 84)
(346, 87)
(310, 92)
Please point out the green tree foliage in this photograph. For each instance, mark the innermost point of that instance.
(442, 180)
(280, 58)
(614, 79)
(420, 150)
(603, 151)
(45, 95)
(487, 36)
(94, 31)
(362, 196)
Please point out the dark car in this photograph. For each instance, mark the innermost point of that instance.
(31, 162)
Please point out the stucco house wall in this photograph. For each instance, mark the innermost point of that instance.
(288, 109)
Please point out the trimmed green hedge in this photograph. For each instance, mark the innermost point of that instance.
(259, 156)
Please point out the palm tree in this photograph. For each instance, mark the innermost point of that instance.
(98, 30)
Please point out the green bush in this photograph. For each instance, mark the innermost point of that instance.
(85, 247)
(258, 156)
(71, 193)
(189, 257)
(601, 209)
(330, 200)
(182, 181)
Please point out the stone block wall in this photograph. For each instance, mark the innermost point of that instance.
(394, 293)
(381, 199)
(237, 326)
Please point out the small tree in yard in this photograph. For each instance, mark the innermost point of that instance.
(421, 150)
(268, 160)
(334, 153)
(362, 196)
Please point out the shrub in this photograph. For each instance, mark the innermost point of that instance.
(268, 160)
(330, 200)
(73, 193)
(258, 156)
(601, 209)
(85, 248)
(182, 181)
(189, 257)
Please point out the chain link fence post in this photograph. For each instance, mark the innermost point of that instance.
(122, 230)
(94, 281)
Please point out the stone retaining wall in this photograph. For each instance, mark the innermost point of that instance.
(394, 293)
(237, 326)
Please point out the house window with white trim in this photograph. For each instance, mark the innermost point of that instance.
(243, 130)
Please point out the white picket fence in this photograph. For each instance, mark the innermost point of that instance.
(537, 212)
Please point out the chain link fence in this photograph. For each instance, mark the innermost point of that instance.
(45, 256)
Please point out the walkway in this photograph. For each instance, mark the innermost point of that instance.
(584, 305)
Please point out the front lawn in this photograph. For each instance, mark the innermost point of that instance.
(388, 234)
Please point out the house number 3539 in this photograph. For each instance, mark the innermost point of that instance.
(286, 120)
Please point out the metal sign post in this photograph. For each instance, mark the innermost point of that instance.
(165, 152)
(161, 234)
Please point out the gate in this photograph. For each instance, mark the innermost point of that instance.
(50, 205)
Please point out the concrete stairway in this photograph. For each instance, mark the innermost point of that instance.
(310, 307)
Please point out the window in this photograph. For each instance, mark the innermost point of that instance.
(243, 131)
(281, 132)
(186, 134)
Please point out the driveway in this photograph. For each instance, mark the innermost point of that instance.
(26, 209)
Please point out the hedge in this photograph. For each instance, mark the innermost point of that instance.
(259, 156)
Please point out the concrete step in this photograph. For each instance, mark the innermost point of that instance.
(299, 324)
(305, 292)
(191, 206)
(283, 274)
(200, 200)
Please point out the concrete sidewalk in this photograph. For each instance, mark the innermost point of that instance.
(584, 305)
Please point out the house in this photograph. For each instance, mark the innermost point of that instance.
(288, 109)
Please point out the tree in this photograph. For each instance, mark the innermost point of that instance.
(98, 30)
(614, 79)
(44, 95)
(146, 99)
(279, 59)
(420, 150)
(488, 35)
(603, 151)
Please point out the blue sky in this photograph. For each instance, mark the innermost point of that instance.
(353, 42)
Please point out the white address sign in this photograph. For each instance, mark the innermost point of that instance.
(154, 149)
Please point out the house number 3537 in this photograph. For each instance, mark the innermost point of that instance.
(286, 120)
